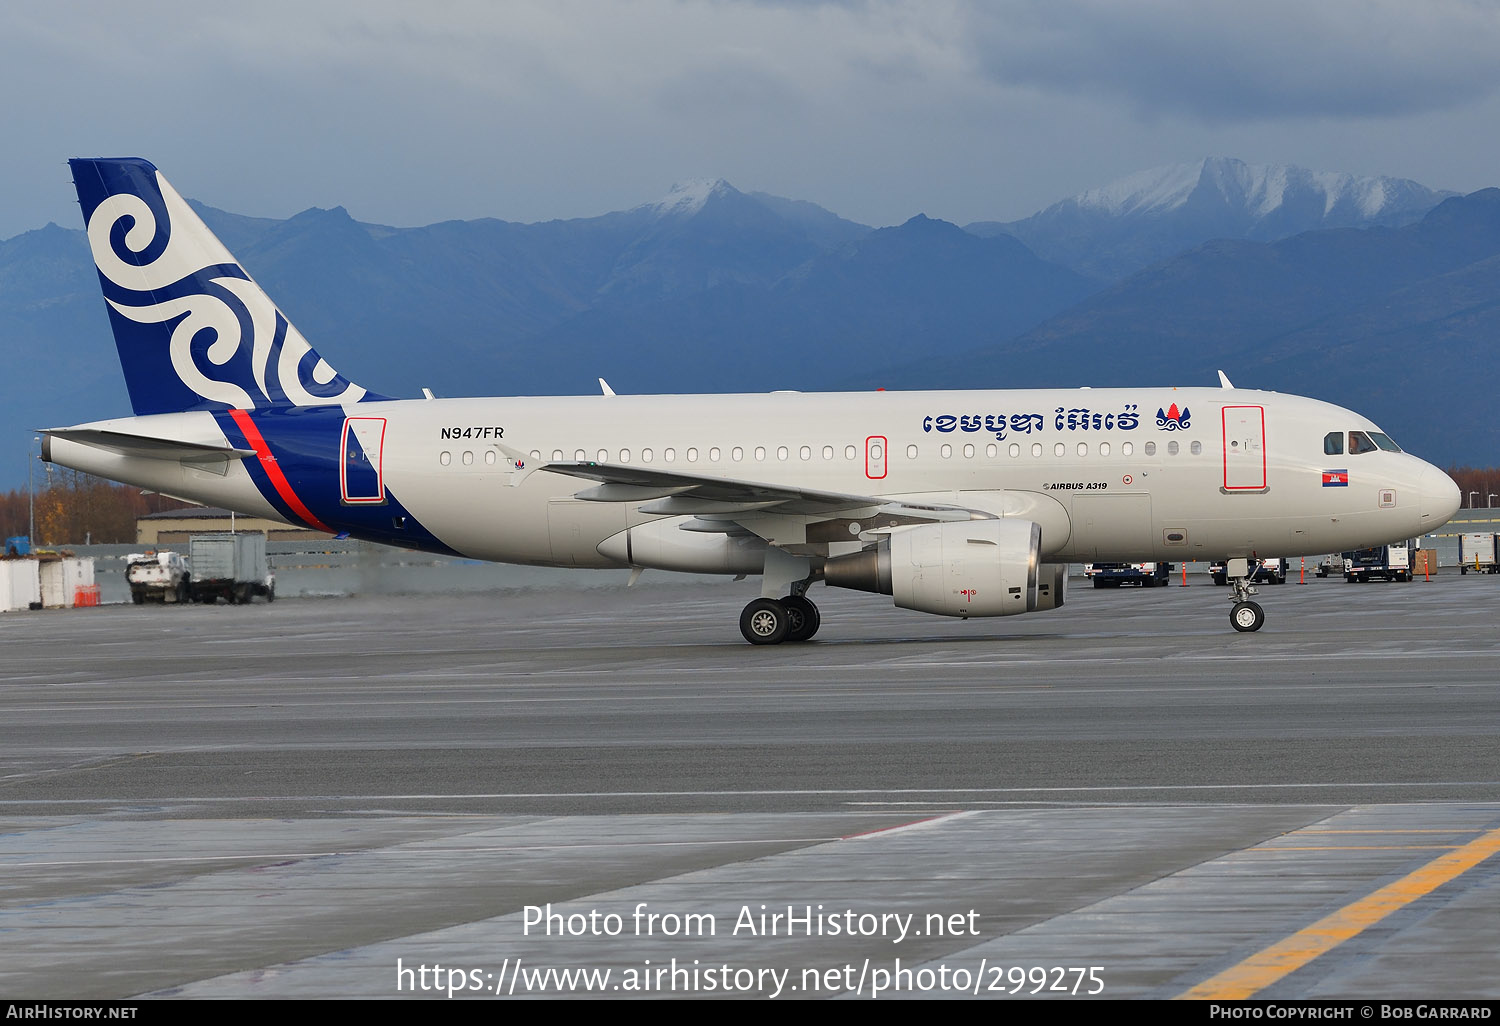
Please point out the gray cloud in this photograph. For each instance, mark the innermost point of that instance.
(1243, 61)
(532, 109)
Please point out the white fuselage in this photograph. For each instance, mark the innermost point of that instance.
(1236, 473)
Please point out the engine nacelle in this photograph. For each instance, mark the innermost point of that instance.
(963, 568)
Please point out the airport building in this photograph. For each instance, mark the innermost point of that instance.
(175, 526)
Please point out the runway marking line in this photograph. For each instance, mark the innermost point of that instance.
(1286, 956)
(916, 824)
(404, 851)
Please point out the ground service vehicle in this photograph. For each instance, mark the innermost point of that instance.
(1265, 571)
(158, 576)
(1380, 563)
(1477, 552)
(231, 566)
(1112, 575)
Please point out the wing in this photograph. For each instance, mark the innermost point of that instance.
(780, 514)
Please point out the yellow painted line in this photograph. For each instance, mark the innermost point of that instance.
(1287, 956)
(1352, 847)
(1457, 830)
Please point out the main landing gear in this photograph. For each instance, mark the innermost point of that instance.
(1246, 615)
(768, 621)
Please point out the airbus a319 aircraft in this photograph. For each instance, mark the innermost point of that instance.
(963, 504)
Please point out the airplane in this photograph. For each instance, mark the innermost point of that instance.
(964, 503)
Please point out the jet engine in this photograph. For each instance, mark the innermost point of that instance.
(961, 568)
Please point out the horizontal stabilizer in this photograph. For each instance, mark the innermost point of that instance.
(148, 447)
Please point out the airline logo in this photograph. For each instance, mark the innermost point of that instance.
(1172, 419)
(1335, 479)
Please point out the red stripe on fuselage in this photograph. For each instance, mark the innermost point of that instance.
(273, 471)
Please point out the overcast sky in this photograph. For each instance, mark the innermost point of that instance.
(526, 110)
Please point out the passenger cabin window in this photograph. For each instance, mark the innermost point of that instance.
(489, 457)
(1333, 443)
(911, 452)
(1127, 448)
(1150, 448)
(1197, 448)
(968, 452)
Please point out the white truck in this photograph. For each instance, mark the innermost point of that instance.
(157, 576)
(231, 566)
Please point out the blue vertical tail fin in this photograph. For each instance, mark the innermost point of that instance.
(194, 332)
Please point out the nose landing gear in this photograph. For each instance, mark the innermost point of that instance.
(1246, 616)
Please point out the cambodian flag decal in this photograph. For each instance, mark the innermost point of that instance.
(1335, 479)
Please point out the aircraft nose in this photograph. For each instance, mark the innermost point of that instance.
(1440, 498)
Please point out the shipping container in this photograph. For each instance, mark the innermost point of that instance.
(231, 566)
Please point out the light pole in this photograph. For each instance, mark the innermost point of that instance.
(30, 495)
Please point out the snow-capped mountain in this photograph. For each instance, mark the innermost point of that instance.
(689, 196)
(1119, 228)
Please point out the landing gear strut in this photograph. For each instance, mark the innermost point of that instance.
(1246, 615)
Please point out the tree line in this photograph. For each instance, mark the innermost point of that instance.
(74, 508)
(1481, 481)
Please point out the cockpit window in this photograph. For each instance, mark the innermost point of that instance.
(1333, 443)
(1384, 441)
(1360, 442)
